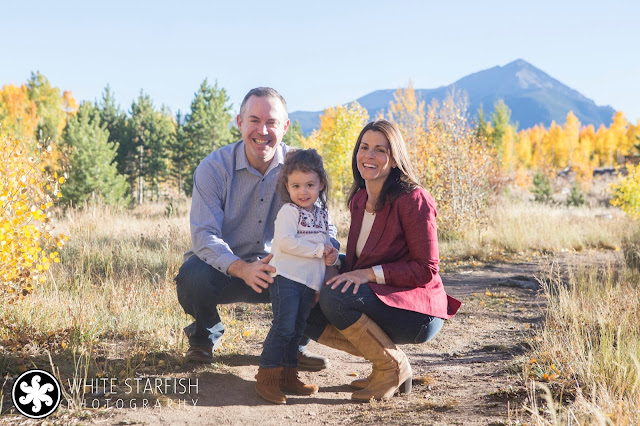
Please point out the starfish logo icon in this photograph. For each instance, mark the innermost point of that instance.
(36, 394)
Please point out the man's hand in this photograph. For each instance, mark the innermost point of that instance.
(330, 254)
(254, 274)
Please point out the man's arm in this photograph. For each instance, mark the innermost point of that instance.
(207, 216)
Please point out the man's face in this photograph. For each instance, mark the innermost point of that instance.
(263, 123)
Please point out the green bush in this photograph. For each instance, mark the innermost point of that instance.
(541, 188)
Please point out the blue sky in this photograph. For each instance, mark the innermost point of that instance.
(317, 54)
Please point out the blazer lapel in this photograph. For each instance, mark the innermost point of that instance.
(377, 230)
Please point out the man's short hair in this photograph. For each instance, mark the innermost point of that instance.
(263, 92)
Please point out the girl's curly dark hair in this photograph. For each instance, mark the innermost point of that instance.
(304, 160)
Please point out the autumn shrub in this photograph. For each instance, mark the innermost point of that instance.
(28, 242)
(453, 161)
(626, 192)
(459, 168)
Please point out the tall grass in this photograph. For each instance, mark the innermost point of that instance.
(517, 228)
(114, 282)
(589, 348)
(115, 278)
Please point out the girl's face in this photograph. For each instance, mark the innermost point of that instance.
(304, 188)
(374, 157)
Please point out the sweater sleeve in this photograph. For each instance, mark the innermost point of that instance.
(286, 237)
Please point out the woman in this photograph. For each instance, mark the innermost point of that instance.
(389, 291)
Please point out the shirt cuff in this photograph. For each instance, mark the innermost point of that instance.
(377, 270)
(222, 263)
(320, 251)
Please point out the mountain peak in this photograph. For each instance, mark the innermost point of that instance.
(533, 96)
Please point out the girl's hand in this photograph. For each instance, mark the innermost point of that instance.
(331, 257)
(357, 277)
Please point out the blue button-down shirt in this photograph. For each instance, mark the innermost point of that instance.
(234, 207)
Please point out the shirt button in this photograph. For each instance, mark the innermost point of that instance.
(261, 199)
(259, 221)
(257, 242)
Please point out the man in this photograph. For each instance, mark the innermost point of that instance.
(233, 209)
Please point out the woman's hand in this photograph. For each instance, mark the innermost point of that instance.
(357, 277)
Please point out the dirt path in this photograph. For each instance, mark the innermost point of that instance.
(464, 376)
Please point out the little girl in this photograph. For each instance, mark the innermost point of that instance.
(301, 250)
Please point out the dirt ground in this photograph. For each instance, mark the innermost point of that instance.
(467, 375)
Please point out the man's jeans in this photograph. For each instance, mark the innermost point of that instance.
(344, 309)
(291, 303)
(201, 288)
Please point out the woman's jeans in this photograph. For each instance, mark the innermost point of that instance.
(344, 309)
(291, 303)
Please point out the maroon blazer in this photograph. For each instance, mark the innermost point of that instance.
(404, 240)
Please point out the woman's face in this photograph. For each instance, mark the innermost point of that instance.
(374, 157)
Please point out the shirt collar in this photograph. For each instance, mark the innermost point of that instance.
(243, 163)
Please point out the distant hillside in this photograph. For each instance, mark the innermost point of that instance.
(533, 96)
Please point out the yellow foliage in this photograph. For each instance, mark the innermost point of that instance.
(27, 242)
(334, 140)
(581, 148)
(626, 192)
(457, 166)
(18, 114)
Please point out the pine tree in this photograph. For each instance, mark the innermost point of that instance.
(115, 122)
(149, 134)
(92, 173)
(206, 129)
(293, 137)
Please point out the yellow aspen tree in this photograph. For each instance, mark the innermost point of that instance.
(572, 135)
(28, 243)
(18, 114)
(605, 146)
(409, 115)
(508, 144)
(620, 129)
(334, 140)
(537, 134)
(524, 149)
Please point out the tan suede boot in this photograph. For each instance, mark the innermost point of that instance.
(292, 383)
(366, 381)
(391, 369)
(332, 337)
(362, 383)
(268, 382)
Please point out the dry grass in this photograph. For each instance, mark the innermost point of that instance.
(588, 353)
(115, 279)
(113, 297)
(114, 282)
(520, 228)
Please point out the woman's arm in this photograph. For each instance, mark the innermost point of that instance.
(417, 215)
